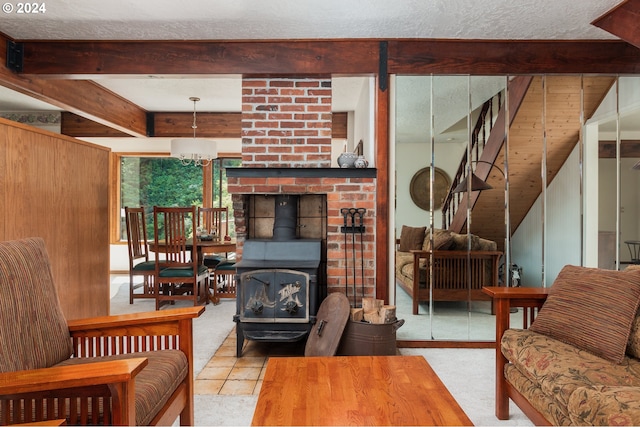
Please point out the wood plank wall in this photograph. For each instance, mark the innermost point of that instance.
(54, 187)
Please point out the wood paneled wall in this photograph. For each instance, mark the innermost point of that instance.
(57, 188)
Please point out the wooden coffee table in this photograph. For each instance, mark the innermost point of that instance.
(354, 390)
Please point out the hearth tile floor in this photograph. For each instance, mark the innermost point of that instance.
(226, 374)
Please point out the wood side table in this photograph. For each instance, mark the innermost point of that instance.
(504, 298)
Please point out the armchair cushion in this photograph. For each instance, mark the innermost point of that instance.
(154, 384)
(34, 330)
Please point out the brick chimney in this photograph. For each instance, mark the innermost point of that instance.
(286, 122)
(286, 149)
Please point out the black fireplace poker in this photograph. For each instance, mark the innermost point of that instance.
(353, 224)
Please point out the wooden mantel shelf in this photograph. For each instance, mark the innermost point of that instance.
(302, 172)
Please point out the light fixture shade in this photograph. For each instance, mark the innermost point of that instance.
(200, 151)
(476, 184)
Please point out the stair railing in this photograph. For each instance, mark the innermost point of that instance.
(479, 136)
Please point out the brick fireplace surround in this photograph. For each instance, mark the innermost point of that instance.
(286, 149)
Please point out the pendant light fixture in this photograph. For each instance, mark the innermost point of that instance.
(195, 151)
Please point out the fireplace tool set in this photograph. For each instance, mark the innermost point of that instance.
(354, 225)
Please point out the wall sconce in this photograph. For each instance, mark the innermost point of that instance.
(477, 184)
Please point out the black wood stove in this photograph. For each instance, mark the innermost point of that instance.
(277, 283)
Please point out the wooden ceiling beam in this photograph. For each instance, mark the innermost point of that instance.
(628, 148)
(86, 59)
(82, 97)
(79, 59)
(622, 21)
(490, 57)
(177, 125)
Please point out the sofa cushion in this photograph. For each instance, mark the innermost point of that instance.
(592, 309)
(605, 406)
(547, 405)
(442, 240)
(411, 238)
(460, 242)
(560, 368)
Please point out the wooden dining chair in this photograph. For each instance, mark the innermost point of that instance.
(139, 264)
(222, 269)
(214, 222)
(178, 274)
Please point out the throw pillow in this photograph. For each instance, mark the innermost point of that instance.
(591, 309)
(411, 238)
(442, 240)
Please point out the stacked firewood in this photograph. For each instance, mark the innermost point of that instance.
(374, 311)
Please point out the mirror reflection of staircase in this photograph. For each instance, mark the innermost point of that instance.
(560, 101)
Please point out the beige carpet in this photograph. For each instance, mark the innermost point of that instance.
(467, 373)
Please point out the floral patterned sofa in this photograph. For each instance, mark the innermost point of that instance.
(451, 281)
(579, 361)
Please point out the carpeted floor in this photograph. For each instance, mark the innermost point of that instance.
(227, 388)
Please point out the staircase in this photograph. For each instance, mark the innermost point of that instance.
(526, 139)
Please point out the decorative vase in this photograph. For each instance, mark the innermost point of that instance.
(361, 162)
(347, 160)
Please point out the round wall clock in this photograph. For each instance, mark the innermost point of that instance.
(419, 188)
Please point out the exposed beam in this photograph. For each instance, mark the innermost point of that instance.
(512, 57)
(175, 125)
(622, 21)
(83, 59)
(210, 125)
(80, 127)
(628, 148)
(47, 60)
(72, 59)
(82, 97)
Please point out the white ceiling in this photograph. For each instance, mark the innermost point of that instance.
(282, 19)
(305, 19)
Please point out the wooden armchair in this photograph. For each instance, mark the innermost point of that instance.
(131, 369)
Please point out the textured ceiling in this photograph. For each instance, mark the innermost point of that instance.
(296, 19)
(290, 19)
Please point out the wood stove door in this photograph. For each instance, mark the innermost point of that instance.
(274, 295)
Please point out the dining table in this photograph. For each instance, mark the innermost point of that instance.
(203, 246)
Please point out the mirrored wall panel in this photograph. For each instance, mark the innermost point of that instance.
(503, 180)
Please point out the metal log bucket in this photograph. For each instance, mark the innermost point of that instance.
(369, 339)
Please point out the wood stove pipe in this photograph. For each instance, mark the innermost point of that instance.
(286, 217)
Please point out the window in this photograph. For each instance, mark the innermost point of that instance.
(164, 181)
(219, 195)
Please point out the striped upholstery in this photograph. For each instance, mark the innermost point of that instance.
(33, 330)
(155, 383)
(34, 334)
(592, 309)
